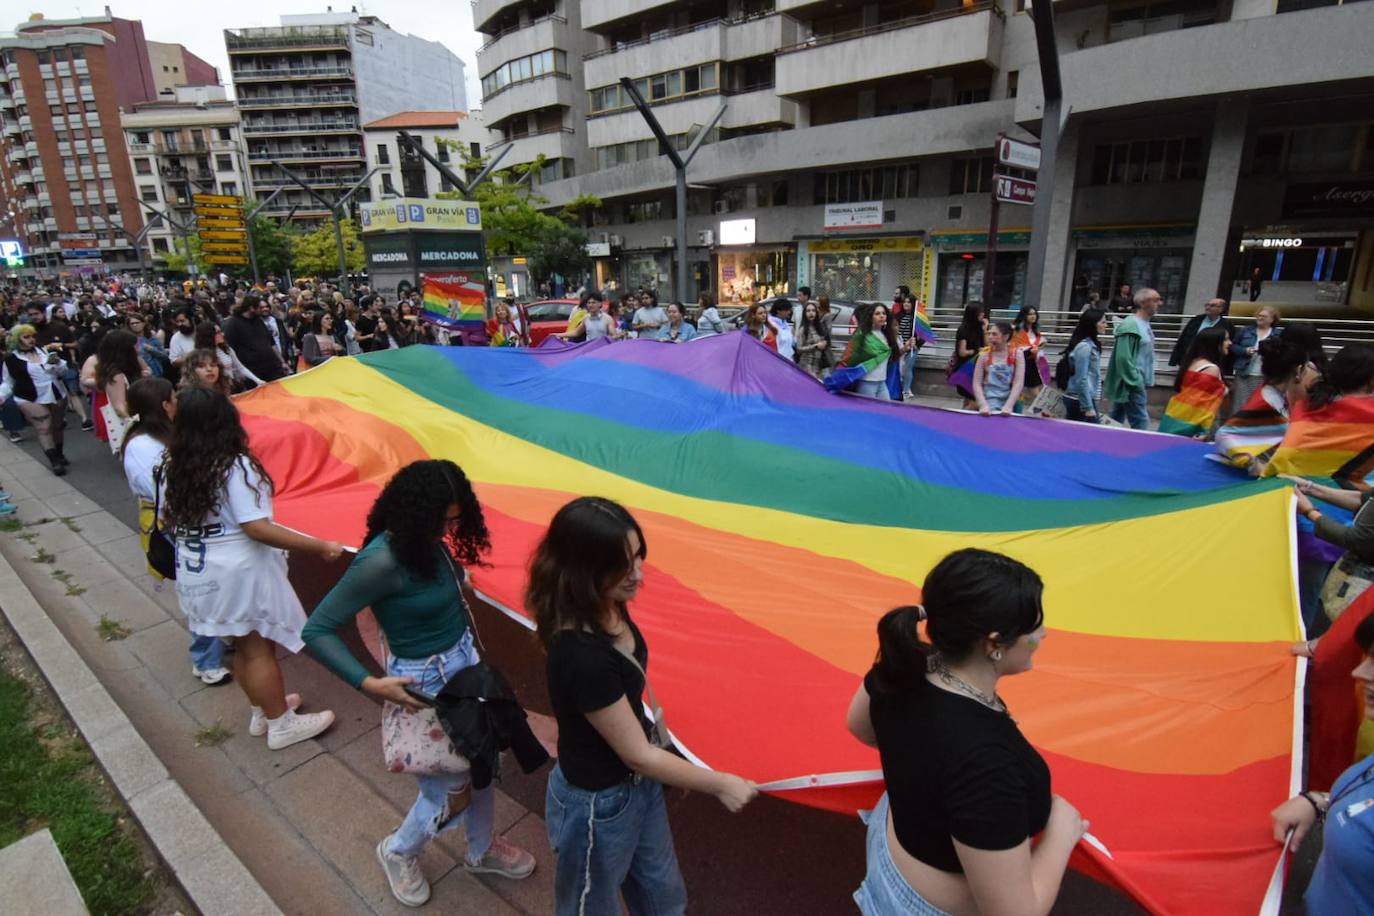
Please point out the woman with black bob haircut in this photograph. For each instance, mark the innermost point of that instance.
(424, 524)
(965, 791)
(604, 807)
(231, 560)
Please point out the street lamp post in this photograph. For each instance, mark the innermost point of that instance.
(335, 208)
(1052, 120)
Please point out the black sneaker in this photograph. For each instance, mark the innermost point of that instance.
(88, 425)
(16, 437)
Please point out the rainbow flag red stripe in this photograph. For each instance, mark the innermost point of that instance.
(1193, 410)
(1334, 440)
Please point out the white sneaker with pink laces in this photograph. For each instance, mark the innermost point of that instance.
(503, 858)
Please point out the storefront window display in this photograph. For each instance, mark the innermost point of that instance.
(1106, 270)
(961, 280)
(753, 275)
(865, 270)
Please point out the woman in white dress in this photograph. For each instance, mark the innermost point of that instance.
(231, 560)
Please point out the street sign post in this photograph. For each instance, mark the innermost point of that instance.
(1011, 190)
(217, 200)
(1017, 153)
(219, 222)
(224, 247)
(222, 235)
(222, 228)
(225, 259)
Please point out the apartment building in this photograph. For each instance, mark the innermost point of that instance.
(186, 143)
(446, 135)
(306, 87)
(65, 180)
(856, 149)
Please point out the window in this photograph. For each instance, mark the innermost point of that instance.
(1013, 81)
(1324, 148)
(972, 96)
(224, 163)
(1132, 20)
(77, 53)
(112, 209)
(44, 57)
(141, 136)
(160, 244)
(387, 186)
(970, 176)
(475, 149)
(524, 68)
(383, 157)
(229, 187)
(441, 148)
(1148, 161)
(225, 134)
(852, 185)
(662, 87)
(147, 192)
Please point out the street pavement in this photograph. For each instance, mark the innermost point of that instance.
(304, 820)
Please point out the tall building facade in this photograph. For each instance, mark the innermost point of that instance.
(306, 87)
(446, 135)
(855, 153)
(185, 143)
(64, 174)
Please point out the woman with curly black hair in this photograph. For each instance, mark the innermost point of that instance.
(424, 524)
(231, 565)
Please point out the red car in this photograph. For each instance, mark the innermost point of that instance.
(548, 316)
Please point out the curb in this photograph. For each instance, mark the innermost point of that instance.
(210, 874)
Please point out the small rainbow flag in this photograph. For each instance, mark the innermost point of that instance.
(1193, 410)
(920, 325)
(454, 299)
(1253, 431)
(1335, 440)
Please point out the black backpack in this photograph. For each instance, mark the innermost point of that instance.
(1063, 372)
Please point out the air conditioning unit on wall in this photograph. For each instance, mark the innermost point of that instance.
(706, 237)
(667, 241)
(616, 241)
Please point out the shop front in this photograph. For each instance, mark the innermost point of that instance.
(961, 262)
(865, 269)
(1110, 257)
(753, 274)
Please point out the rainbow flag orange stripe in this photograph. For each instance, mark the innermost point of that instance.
(1252, 432)
(1193, 410)
(921, 327)
(1164, 713)
(1335, 440)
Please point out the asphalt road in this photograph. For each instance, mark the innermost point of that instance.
(776, 858)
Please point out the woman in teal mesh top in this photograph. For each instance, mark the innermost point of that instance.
(409, 578)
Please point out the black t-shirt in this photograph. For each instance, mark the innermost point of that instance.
(956, 769)
(366, 324)
(586, 672)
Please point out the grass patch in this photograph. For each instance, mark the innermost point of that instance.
(28, 537)
(11, 524)
(44, 557)
(48, 779)
(110, 630)
(71, 524)
(75, 591)
(213, 735)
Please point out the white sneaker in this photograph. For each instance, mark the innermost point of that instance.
(211, 676)
(408, 885)
(257, 721)
(292, 728)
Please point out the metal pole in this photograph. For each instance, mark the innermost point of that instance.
(1051, 124)
(990, 262)
(343, 264)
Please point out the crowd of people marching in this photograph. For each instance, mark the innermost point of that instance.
(150, 369)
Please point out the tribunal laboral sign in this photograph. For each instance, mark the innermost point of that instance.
(862, 215)
(420, 214)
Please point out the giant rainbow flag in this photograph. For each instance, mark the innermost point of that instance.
(782, 521)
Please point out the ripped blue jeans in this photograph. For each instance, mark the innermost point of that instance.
(426, 817)
(884, 891)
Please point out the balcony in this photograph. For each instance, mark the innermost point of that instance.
(301, 127)
(512, 44)
(286, 38)
(31, 203)
(30, 149)
(1183, 64)
(554, 143)
(718, 39)
(342, 180)
(279, 74)
(935, 41)
(542, 91)
(141, 148)
(223, 146)
(484, 10)
(298, 101)
(598, 13)
(759, 105)
(12, 71)
(25, 122)
(300, 155)
(23, 176)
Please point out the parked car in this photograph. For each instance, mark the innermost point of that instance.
(548, 316)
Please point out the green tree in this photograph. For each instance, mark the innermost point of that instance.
(271, 243)
(175, 259)
(316, 254)
(560, 249)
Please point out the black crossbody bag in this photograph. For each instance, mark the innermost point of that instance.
(162, 551)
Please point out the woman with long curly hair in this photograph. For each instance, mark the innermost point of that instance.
(202, 369)
(108, 373)
(604, 806)
(154, 402)
(425, 524)
(231, 560)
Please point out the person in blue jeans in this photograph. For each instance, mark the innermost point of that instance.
(604, 809)
(1131, 371)
(153, 401)
(425, 522)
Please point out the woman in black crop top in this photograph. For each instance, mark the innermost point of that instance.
(604, 808)
(965, 791)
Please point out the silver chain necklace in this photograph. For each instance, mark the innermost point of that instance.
(941, 669)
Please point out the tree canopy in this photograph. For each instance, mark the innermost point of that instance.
(316, 254)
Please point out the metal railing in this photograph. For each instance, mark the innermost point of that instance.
(551, 17)
(820, 41)
(290, 73)
(302, 127)
(277, 101)
(542, 132)
(665, 34)
(306, 154)
(270, 37)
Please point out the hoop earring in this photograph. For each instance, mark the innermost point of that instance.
(996, 655)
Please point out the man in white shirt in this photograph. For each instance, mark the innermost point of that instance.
(183, 341)
(649, 317)
(780, 314)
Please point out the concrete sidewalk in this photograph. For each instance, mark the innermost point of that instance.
(305, 821)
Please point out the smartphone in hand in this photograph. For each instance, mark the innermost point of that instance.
(419, 695)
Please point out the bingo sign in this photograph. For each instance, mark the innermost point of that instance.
(421, 214)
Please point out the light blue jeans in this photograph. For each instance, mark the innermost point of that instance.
(875, 389)
(612, 843)
(1132, 412)
(426, 817)
(909, 370)
(207, 652)
(884, 892)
